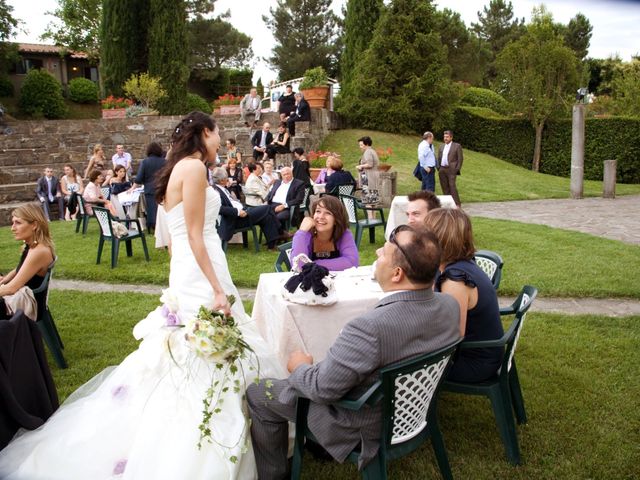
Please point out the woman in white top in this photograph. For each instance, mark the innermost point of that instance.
(255, 190)
(269, 176)
(71, 183)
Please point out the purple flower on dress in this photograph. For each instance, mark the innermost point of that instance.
(173, 319)
(119, 392)
(165, 311)
(120, 466)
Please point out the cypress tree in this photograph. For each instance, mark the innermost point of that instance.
(402, 83)
(360, 22)
(168, 50)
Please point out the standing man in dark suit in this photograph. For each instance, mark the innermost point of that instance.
(48, 191)
(449, 165)
(260, 140)
(146, 176)
(233, 215)
(302, 113)
(285, 194)
(409, 320)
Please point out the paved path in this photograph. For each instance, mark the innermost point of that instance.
(617, 218)
(569, 306)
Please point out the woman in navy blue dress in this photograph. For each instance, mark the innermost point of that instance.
(461, 278)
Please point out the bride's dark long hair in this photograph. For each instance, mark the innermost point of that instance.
(186, 139)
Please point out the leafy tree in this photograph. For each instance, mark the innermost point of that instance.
(77, 26)
(260, 88)
(145, 89)
(536, 73)
(168, 52)
(402, 83)
(361, 17)
(577, 35)
(626, 89)
(497, 27)
(601, 73)
(215, 43)
(8, 26)
(306, 36)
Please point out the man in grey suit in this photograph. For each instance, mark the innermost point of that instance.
(48, 192)
(409, 320)
(449, 165)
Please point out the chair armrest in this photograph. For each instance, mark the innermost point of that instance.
(370, 397)
(510, 310)
(128, 221)
(499, 342)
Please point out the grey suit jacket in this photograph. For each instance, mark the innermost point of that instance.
(455, 156)
(401, 325)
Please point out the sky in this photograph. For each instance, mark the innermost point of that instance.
(615, 22)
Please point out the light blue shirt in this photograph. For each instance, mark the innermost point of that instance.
(426, 155)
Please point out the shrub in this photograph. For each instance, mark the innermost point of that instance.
(145, 89)
(196, 102)
(83, 90)
(41, 95)
(314, 77)
(6, 87)
(483, 97)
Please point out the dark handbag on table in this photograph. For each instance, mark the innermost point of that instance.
(417, 172)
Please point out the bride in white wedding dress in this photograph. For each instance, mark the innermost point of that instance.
(140, 420)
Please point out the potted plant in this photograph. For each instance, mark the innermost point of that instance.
(315, 87)
(227, 104)
(115, 107)
(384, 154)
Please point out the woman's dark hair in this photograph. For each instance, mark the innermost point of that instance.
(251, 166)
(94, 175)
(453, 228)
(75, 174)
(299, 150)
(334, 205)
(155, 149)
(232, 141)
(366, 140)
(118, 168)
(186, 139)
(283, 125)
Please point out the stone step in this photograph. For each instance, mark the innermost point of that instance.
(18, 192)
(31, 173)
(7, 208)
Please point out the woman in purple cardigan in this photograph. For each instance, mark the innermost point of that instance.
(325, 236)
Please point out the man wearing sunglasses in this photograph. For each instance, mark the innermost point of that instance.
(409, 320)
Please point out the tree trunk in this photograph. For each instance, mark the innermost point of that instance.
(535, 166)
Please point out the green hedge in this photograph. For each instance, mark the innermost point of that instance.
(83, 90)
(197, 103)
(483, 97)
(512, 139)
(41, 96)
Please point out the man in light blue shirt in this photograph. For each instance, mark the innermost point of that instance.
(427, 159)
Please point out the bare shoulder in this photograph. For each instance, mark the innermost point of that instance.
(40, 256)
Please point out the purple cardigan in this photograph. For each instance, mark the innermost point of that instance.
(303, 243)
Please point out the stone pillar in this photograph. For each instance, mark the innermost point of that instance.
(577, 150)
(609, 179)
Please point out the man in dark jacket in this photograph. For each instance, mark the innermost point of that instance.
(146, 176)
(286, 194)
(260, 140)
(48, 191)
(302, 113)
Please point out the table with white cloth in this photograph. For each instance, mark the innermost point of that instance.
(288, 326)
(398, 211)
(319, 188)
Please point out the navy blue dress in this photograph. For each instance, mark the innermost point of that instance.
(483, 323)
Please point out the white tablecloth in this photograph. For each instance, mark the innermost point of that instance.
(288, 326)
(398, 211)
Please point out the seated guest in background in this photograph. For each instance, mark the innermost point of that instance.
(28, 225)
(71, 185)
(338, 176)
(260, 140)
(93, 195)
(280, 143)
(269, 176)
(255, 190)
(301, 166)
(325, 172)
(325, 236)
(234, 171)
(122, 158)
(98, 161)
(286, 194)
(119, 183)
(301, 113)
(232, 151)
(461, 278)
(48, 192)
(250, 105)
(286, 103)
(234, 216)
(421, 203)
(409, 320)
(149, 167)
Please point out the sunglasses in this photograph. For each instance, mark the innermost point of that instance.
(392, 239)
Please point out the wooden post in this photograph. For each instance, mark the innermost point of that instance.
(609, 179)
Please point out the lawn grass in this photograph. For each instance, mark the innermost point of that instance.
(558, 262)
(576, 373)
(484, 178)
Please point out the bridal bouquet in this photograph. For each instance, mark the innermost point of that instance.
(216, 338)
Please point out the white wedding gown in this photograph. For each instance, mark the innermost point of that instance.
(140, 420)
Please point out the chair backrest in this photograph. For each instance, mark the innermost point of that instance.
(490, 263)
(524, 301)
(283, 257)
(106, 192)
(345, 189)
(307, 194)
(104, 220)
(81, 208)
(115, 201)
(409, 388)
(350, 203)
(41, 293)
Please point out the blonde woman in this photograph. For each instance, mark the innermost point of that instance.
(98, 161)
(28, 225)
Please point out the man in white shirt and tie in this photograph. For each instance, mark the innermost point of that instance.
(427, 159)
(286, 194)
(48, 191)
(449, 165)
(250, 104)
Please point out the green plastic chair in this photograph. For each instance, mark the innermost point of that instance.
(45, 321)
(352, 204)
(245, 237)
(82, 217)
(408, 392)
(283, 264)
(105, 218)
(504, 388)
(490, 263)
